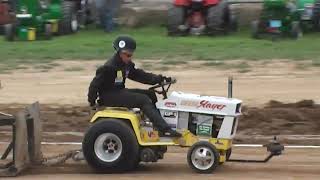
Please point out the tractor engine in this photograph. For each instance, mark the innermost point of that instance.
(206, 116)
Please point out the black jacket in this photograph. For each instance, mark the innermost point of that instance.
(112, 77)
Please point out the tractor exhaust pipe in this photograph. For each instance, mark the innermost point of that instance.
(230, 86)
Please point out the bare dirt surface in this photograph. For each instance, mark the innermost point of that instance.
(62, 93)
(257, 125)
(256, 83)
(293, 164)
(65, 114)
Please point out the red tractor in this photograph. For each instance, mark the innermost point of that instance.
(6, 14)
(201, 17)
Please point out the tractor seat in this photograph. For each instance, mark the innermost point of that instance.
(101, 106)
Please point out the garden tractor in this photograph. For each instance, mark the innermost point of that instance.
(287, 18)
(120, 138)
(201, 17)
(40, 19)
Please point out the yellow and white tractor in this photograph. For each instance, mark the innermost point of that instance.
(120, 138)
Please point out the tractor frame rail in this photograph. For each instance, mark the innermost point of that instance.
(275, 149)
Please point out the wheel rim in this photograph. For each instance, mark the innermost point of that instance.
(74, 24)
(202, 158)
(108, 147)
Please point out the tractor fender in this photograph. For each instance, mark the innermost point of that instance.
(188, 2)
(130, 118)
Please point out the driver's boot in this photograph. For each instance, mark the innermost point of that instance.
(153, 114)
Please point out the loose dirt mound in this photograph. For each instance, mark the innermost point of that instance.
(61, 123)
(277, 118)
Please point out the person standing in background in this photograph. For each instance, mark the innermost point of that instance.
(106, 10)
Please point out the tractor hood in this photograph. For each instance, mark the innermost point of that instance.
(179, 101)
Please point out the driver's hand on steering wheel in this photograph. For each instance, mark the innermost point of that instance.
(166, 79)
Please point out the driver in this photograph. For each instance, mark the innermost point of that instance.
(109, 85)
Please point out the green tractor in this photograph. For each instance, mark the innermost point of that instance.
(40, 19)
(34, 20)
(286, 18)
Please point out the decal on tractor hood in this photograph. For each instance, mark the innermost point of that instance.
(203, 104)
(170, 104)
(189, 103)
(207, 105)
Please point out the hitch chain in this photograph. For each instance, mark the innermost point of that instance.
(62, 158)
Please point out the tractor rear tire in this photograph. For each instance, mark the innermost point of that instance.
(255, 29)
(48, 31)
(176, 17)
(69, 22)
(316, 15)
(296, 31)
(216, 17)
(9, 32)
(100, 156)
(203, 151)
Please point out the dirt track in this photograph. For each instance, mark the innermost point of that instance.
(294, 164)
(265, 81)
(257, 125)
(63, 97)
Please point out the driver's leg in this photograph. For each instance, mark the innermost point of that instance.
(149, 93)
(125, 98)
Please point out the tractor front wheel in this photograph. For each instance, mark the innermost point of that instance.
(9, 32)
(203, 157)
(110, 146)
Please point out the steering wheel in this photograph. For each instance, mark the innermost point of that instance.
(165, 86)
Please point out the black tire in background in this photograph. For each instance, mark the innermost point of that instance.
(316, 15)
(216, 16)
(9, 32)
(69, 23)
(233, 23)
(129, 157)
(176, 17)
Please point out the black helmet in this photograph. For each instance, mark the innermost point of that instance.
(124, 43)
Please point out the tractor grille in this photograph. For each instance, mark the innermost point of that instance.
(238, 108)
